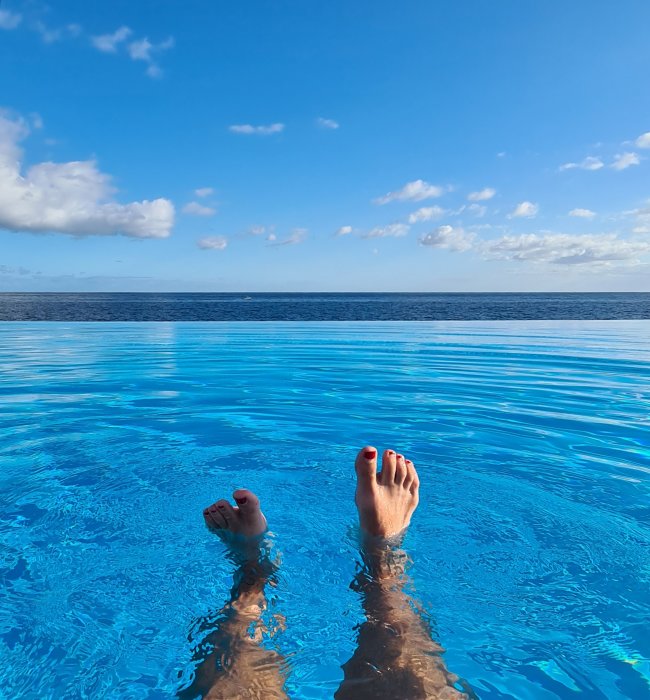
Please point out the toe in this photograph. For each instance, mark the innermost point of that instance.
(411, 474)
(227, 512)
(400, 469)
(213, 517)
(247, 501)
(388, 467)
(366, 467)
(413, 477)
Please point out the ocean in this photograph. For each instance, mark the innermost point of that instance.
(322, 306)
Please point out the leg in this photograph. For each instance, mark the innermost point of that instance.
(231, 663)
(396, 658)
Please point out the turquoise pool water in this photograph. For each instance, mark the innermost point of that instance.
(530, 547)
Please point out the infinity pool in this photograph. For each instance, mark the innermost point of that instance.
(531, 546)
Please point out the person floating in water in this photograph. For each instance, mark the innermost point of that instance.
(396, 657)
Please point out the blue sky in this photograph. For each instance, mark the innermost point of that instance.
(345, 146)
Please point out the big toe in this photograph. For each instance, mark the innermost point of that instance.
(249, 510)
(366, 467)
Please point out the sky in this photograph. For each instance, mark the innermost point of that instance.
(285, 145)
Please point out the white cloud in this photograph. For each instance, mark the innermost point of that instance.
(477, 209)
(298, 235)
(426, 214)
(482, 195)
(583, 213)
(327, 123)
(589, 163)
(37, 120)
(501, 154)
(526, 210)
(49, 35)
(448, 238)
(212, 243)
(344, 231)
(263, 130)
(108, 43)
(564, 249)
(9, 20)
(625, 160)
(196, 209)
(391, 231)
(203, 191)
(412, 192)
(144, 50)
(257, 230)
(73, 198)
(642, 217)
(643, 141)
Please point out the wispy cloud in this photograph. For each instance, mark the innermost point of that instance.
(589, 163)
(73, 198)
(204, 191)
(108, 43)
(50, 35)
(426, 214)
(212, 243)
(482, 195)
(524, 210)
(261, 130)
(396, 230)
(9, 20)
(643, 141)
(298, 235)
(414, 191)
(344, 231)
(477, 209)
(137, 50)
(564, 249)
(448, 238)
(624, 160)
(144, 50)
(327, 123)
(196, 209)
(583, 213)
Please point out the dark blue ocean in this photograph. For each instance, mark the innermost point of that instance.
(321, 307)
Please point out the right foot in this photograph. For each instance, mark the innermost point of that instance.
(245, 519)
(385, 501)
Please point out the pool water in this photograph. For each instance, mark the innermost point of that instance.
(530, 548)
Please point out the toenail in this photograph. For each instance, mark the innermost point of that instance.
(400, 456)
(370, 454)
(390, 452)
(408, 461)
(213, 509)
(241, 501)
(221, 506)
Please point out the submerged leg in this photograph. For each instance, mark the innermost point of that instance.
(231, 663)
(396, 657)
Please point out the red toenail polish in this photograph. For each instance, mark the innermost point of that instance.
(400, 457)
(241, 501)
(390, 452)
(221, 506)
(370, 454)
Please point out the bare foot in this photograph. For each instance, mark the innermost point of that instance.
(385, 501)
(245, 519)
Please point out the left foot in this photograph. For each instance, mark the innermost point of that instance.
(245, 519)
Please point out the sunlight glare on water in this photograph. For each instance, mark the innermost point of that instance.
(530, 547)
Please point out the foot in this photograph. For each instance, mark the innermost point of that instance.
(245, 519)
(385, 501)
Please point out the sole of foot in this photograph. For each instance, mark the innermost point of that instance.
(387, 499)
